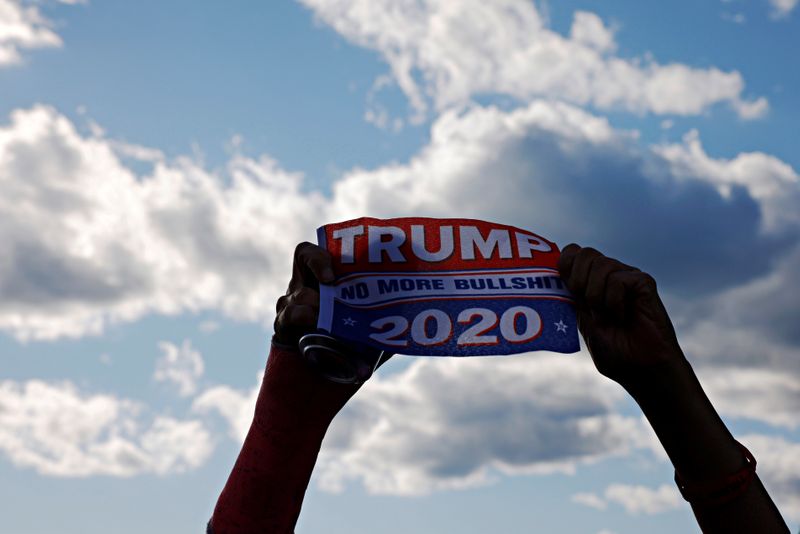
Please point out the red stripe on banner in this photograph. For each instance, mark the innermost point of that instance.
(418, 243)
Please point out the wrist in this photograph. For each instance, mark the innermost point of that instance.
(294, 397)
(694, 437)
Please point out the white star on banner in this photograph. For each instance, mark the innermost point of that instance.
(560, 326)
(349, 321)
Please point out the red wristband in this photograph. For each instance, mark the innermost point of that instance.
(722, 490)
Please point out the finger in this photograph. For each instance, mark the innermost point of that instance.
(646, 285)
(305, 296)
(281, 304)
(566, 260)
(294, 321)
(624, 289)
(581, 267)
(602, 268)
(280, 326)
(585, 321)
(302, 315)
(646, 294)
(614, 300)
(312, 265)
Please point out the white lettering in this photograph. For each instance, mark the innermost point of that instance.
(471, 237)
(418, 243)
(392, 247)
(526, 243)
(348, 237)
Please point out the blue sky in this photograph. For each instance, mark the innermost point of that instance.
(158, 162)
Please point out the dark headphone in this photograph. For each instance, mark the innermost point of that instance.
(344, 362)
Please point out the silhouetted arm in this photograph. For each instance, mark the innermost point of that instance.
(632, 341)
(265, 490)
(295, 406)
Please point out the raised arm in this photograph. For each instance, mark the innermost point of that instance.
(632, 341)
(265, 490)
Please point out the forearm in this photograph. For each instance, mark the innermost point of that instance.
(701, 448)
(265, 490)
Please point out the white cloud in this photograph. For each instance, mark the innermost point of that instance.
(445, 53)
(571, 176)
(588, 29)
(751, 325)
(89, 242)
(180, 365)
(760, 394)
(444, 424)
(634, 498)
(22, 26)
(130, 150)
(782, 8)
(736, 18)
(234, 406)
(457, 423)
(59, 431)
(176, 446)
(451, 424)
(769, 180)
(720, 235)
(778, 466)
(643, 500)
(208, 327)
(591, 500)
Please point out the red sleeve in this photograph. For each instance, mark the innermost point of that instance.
(265, 490)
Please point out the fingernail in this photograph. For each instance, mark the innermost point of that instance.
(327, 275)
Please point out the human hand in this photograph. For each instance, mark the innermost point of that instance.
(298, 310)
(620, 314)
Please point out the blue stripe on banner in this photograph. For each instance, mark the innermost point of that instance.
(469, 327)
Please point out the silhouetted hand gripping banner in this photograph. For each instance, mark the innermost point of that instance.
(445, 287)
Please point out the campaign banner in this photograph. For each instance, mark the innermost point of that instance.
(445, 287)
